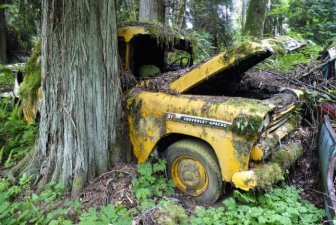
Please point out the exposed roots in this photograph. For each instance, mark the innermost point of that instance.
(30, 165)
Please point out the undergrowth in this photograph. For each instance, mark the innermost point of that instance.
(16, 136)
(20, 205)
(6, 79)
(285, 62)
(283, 206)
(151, 183)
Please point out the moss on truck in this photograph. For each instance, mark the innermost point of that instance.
(199, 119)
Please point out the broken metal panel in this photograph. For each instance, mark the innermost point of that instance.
(264, 175)
(284, 43)
(327, 155)
(329, 70)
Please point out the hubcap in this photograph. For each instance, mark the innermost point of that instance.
(190, 175)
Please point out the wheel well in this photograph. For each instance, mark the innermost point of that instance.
(164, 142)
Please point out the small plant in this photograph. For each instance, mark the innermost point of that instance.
(246, 125)
(110, 214)
(6, 79)
(151, 182)
(171, 213)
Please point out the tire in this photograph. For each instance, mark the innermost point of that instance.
(193, 167)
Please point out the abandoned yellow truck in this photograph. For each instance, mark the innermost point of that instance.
(211, 124)
(209, 128)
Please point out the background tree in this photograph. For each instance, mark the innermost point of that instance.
(24, 24)
(243, 14)
(176, 13)
(315, 19)
(127, 10)
(152, 10)
(255, 18)
(3, 40)
(276, 18)
(214, 17)
(80, 94)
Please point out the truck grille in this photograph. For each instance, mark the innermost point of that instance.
(279, 118)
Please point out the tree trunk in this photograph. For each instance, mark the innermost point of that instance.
(152, 11)
(180, 14)
(243, 15)
(255, 19)
(3, 42)
(81, 98)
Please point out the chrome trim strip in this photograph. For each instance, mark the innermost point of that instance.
(197, 120)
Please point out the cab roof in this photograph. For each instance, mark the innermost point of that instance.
(162, 33)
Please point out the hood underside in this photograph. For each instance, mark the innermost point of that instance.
(228, 65)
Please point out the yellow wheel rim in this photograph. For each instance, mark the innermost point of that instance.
(190, 175)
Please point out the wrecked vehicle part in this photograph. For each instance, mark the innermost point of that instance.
(329, 70)
(207, 103)
(265, 175)
(284, 44)
(327, 155)
(195, 169)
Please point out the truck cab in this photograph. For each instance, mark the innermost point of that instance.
(139, 48)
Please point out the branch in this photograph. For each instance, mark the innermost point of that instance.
(317, 68)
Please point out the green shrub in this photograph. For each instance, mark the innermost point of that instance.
(286, 62)
(6, 79)
(283, 206)
(151, 182)
(16, 136)
(20, 205)
(110, 214)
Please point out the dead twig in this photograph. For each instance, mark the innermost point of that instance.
(317, 68)
(300, 83)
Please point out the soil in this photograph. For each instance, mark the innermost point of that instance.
(305, 174)
(114, 186)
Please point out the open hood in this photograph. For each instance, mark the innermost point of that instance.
(229, 65)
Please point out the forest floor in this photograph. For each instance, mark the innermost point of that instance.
(304, 175)
(115, 187)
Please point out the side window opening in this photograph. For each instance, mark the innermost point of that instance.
(177, 59)
(148, 57)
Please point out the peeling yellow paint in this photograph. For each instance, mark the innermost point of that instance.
(244, 180)
(130, 31)
(257, 153)
(148, 124)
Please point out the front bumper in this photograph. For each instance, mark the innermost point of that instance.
(264, 175)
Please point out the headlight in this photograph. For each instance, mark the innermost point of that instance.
(264, 124)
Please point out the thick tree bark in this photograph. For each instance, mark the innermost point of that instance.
(152, 11)
(3, 42)
(243, 15)
(177, 11)
(255, 19)
(81, 98)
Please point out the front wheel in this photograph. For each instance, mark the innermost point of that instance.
(193, 167)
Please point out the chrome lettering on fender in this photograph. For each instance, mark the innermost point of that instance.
(197, 120)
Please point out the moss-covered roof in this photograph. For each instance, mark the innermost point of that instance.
(163, 33)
